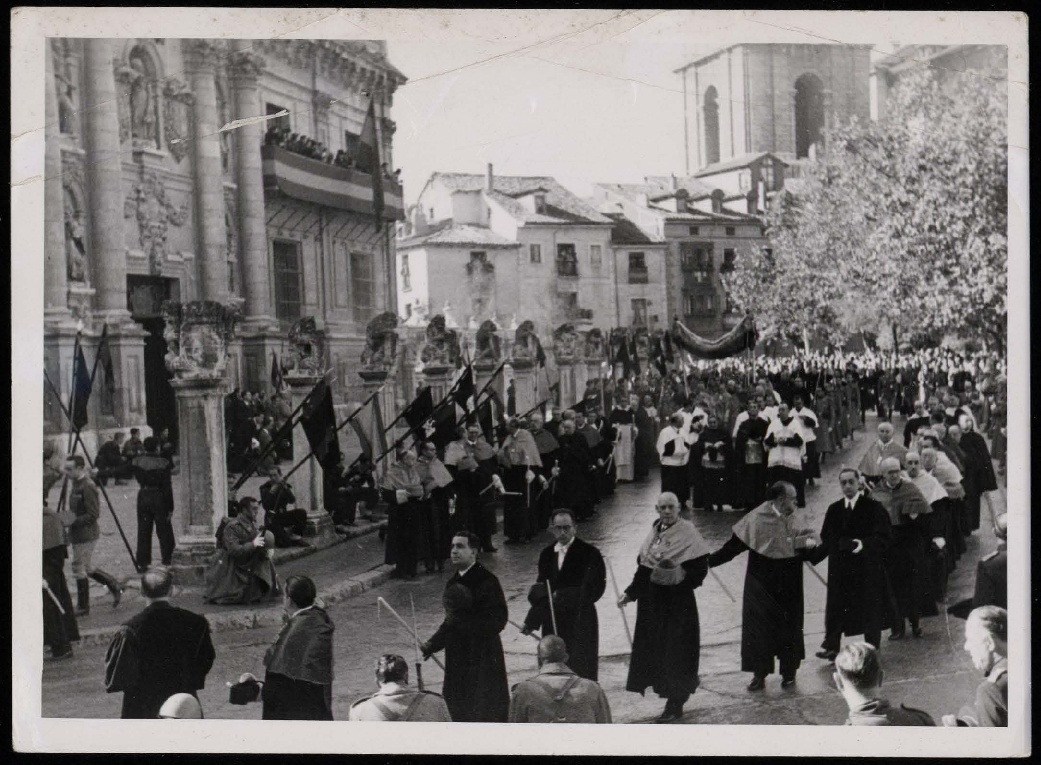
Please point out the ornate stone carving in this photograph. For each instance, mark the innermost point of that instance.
(177, 115)
(488, 345)
(75, 249)
(595, 345)
(223, 118)
(155, 213)
(307, 343)
(197, 335)
(64, 86)
(137, 90)
(442, 345)
(526, 345)
(245, 68)
(72, 170)
(231, 220)
(200, 55)
(565, 344)
(381, 343)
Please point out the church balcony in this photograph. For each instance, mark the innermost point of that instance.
(322, 183)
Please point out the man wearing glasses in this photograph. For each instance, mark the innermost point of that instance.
(855, 536)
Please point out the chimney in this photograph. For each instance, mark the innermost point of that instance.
(675, 185)
(491, 179)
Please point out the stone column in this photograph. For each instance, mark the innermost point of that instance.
(56, 300)
(244, 69)
(439, 378)
(524, 383)
(200, 61)
(483, 371)
(307, 481)
(104, 172)
(197, 335)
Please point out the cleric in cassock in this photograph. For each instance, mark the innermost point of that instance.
(623, 419)
(771, 610)
(673, 561)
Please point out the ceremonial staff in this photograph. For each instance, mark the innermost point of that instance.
(521, 628)
(380, 602)
(813, 571)
(552, 611)
(723, 586)
(415, 642)
(617, 597)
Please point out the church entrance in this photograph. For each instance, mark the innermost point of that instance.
(146, 295)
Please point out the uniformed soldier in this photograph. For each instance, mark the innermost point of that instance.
(556, 694)
(395, 701)
(858, 676)
(986, 641)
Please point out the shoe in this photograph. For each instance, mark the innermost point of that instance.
(917, 632)
(788, 682)
(66, 654)
(827, 655)
(669, 714)
(897, 635)
(757, 684)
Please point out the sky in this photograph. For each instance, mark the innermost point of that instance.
(584, 97)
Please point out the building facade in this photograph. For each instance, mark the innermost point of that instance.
(509, 249)
(769, 97)
(153, 201)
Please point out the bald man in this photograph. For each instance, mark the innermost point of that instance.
(556, 694)
(885, 447)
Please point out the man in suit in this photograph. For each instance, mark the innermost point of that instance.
(162, 651)
(574, 572)
(858, 676)
(855, 536)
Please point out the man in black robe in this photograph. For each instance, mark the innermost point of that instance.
(573, 484)
(574, 571)
(750, 456)
(154, 508)
(548, 447)
(672, 563)
(471, 461)
(518, 458)
(978, 477)
(771, 609)
(855, 536)
(403, 492)
(475, 686)
(646, 438)
(162, 651)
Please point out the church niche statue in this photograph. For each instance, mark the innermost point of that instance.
(488, 343)
(526, 345)
(381, 343)
(137, 88)
(75, 249)
(442, 345)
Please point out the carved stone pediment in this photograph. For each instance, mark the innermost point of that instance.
(197, 336)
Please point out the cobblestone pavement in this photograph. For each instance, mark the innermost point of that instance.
(932, 673)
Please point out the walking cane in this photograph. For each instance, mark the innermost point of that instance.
(552, 611)
(380, 602)
(415, 642)
(617, 597)
(813, 571)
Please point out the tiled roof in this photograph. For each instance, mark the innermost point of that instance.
(743, 160)
(626, 232)
(450, 234)
(660, 187)
(562, 206)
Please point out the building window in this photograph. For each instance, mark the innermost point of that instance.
(595, 256)
(540, 204)
(809, 115)
(286, 257)
(535, 253)
(278, 122)
(696, 258)
(363, 286)
(729, 255)
(730, 231)
(640, 306)
(406, 278)
(695, 230)
(350, 144)
(637, 268)
(698, 303)
(768, 255)
(711, 115)
(567, 260)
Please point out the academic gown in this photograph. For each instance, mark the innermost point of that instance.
(576, 589)
(978, 475)
(574, 486)
(475, 686)
(906, 562)
(548, 447)
(646, 453)
(856, 599)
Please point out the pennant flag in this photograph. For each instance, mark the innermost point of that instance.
(277, 380)
(463, 390)
(369, 160)
(81, 385)
(511, 400)
(105, 361)
(486, 419)
(419, 411)
(444, 427)
(318, 419)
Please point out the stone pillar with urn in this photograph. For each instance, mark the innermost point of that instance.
(197, 336)
(440, 356)
(567, 354)
(307, 359)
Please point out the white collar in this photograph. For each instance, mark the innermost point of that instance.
(853, 500)
(305, 608)
(392, 689)
(558, 547)
(463, 572)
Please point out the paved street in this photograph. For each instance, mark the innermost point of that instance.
(932, 673)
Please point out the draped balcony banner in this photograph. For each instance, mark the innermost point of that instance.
(311, 180)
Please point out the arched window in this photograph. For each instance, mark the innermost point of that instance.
(809, 114)
(710, 112)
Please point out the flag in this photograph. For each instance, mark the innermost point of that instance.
(81, 385)
(463, 390)
(419, 411)
(667, 346)
(444, 424)
(486, 419)
(105, 361)
(369, 160)
(511, 400)
(277, 381)
(318, 419)
(499, 414)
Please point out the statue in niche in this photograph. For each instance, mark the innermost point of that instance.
(141, 83)
(75, 251)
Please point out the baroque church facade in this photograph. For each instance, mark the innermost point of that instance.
(156, 193)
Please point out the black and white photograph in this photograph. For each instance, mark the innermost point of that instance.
(617, 367)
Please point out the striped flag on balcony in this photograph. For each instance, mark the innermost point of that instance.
(369, 159)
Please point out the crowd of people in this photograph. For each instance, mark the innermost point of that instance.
(726, 437)
(309, 147)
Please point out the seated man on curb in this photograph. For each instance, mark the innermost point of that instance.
(395, 701)
(858, 676)
(556, 694)
(243, 571)
(287, 525)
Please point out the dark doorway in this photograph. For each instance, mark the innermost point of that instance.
(711, 113)
(146, 295)
(809, 114)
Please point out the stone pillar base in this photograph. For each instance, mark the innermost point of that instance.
(192, 558)
(319, 529)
